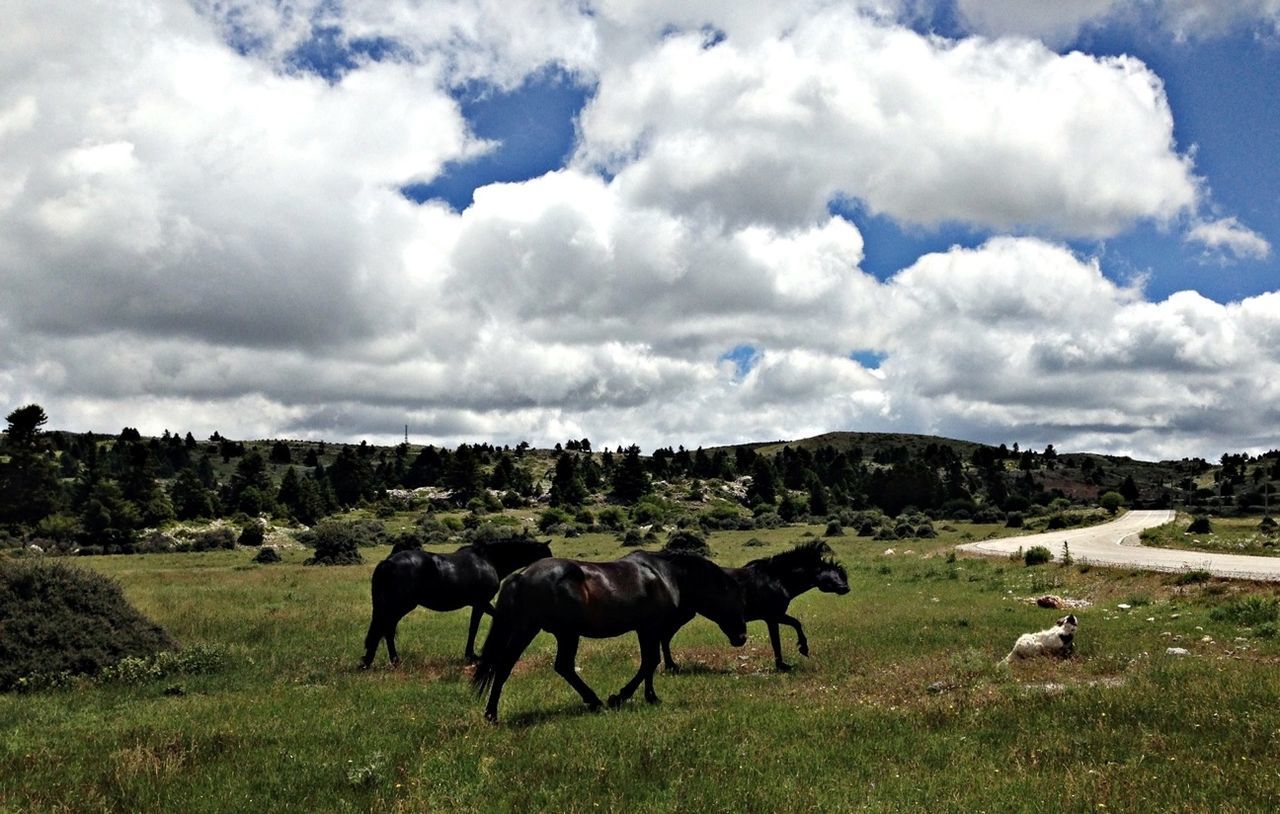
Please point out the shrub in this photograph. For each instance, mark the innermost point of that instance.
(497, 533)
(253, 535)
(633, 537)
(612, 518)
(1056, 521)
(188, 661)
(1037, 555)
(1200, 525)
(1195, 576)
(834, 529)
(434, 530)
(58, 618)
(688, 542)
(266, 556)
(1248, 611)
(988, 514)
(1268, 524)
(551, 518)
(336, 542)
(904, 531)
(926, 532)
(213, 539)
(1013, 521)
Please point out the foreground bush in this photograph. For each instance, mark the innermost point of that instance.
(59, 619)
(1037, 555)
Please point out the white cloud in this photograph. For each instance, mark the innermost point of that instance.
(999, 134)
(1052, 21)
(1058, 23)
(1227, 236)
(191, 238)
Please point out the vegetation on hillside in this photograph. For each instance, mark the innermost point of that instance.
(86, 493)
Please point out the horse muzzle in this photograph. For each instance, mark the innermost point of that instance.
(738, 639)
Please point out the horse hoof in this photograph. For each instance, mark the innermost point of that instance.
(673, 668)
(471, 658)
(364, 665)
(804, 651)
(491, 717)
(653, 699)
(615, 701)
(783, 667)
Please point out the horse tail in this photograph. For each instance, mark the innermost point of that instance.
(502, 634)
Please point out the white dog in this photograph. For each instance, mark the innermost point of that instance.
(1056, 641)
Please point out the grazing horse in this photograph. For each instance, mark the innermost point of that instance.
(769, 585)
(442, 582)
(644, 591)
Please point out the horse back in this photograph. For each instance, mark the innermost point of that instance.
(594, 599)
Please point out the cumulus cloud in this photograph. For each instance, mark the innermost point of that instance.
(1228, 237)
(1059, 23)
(1000, 134)
(195, 233)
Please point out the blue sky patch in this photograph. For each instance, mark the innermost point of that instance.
(534, 125)
(744, 358)
(870, 359)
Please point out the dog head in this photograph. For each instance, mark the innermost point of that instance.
(1068, 623)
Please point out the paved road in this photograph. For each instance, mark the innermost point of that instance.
(1116, 544)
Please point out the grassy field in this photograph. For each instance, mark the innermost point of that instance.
(900, 707)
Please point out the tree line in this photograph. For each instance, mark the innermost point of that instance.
(103, 490)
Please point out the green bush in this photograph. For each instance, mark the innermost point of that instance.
(1192, 577)
(188, 661)
(336, 542)
(213, 539)
(58, 618)
(1013, 520)
(1200, 525)
(266, 556)
(1248, 611)
(834, 529)
(688, 542)
(1037, 555)
(253, 534)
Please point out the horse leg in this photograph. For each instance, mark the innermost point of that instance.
(649, 661)
(566, 658)
(392, 621)
(476, 612)
(777, 646)
(371, 640)
(669, 664)
(649, 694)
(518, 642)
(801, 641)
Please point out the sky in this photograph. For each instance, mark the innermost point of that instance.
(646, 222)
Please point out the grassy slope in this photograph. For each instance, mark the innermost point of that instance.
(290, 725)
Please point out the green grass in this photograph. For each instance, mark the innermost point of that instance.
(289, 724)
(1227, 535)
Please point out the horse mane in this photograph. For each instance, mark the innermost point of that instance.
(807, 556)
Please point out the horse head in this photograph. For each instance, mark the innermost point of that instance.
(716, 595)
(832, 577)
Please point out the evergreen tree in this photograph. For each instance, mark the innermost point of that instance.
(29, 487)
(567, 488)
(190, 498)
(630, 482)
(764, 482)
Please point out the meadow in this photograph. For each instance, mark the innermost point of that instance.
(901, 706)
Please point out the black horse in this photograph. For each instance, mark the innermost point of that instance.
(443, 582)
(645, 592)
(769, 585)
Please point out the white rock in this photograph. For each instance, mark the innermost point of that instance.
(1177, 651)
(1123, 606)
